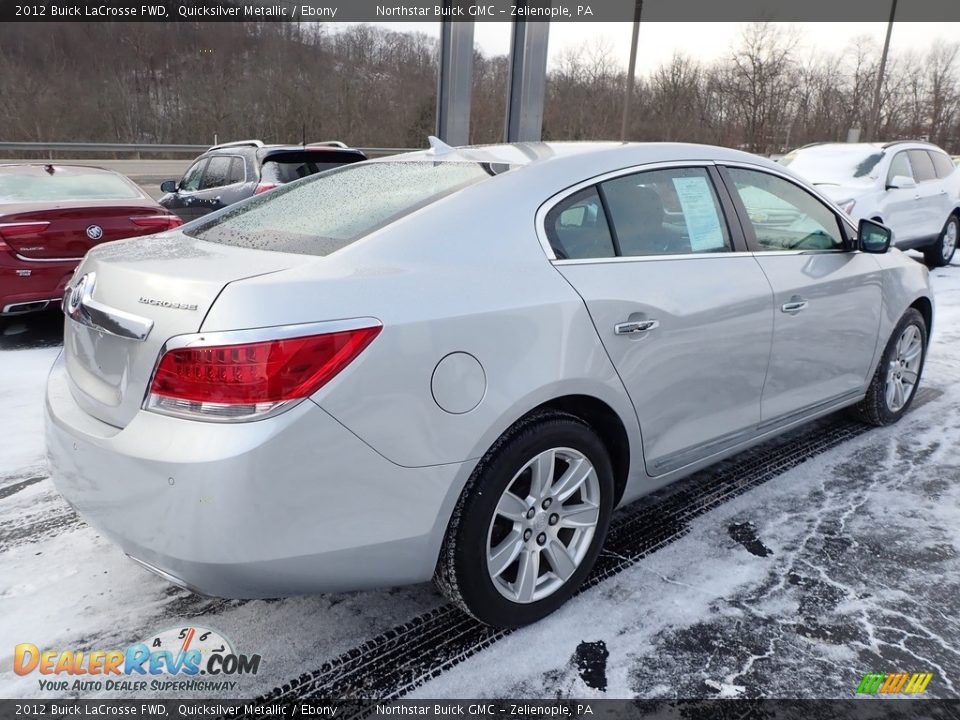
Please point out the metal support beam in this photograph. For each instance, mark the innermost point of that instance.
(631, 69)
(455, 82)
(874, 121)
(527, 83)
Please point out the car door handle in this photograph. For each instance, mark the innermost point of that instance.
(635, 327)
(794, 306)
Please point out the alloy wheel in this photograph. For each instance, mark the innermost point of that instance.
(543, 525)
(903, 371)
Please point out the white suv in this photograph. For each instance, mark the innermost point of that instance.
(911, 187)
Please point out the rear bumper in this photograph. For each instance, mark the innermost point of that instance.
(23, 282)
(289, 505)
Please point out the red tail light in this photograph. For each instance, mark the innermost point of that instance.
(14, 229)
(157, 222)
(249, 381)
(263, 187)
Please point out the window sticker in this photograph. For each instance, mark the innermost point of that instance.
(699, 213)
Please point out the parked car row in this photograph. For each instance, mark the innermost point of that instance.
(51, 215)
(455, 363)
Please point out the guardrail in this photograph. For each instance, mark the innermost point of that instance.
(137, 148)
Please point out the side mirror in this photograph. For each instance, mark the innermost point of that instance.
(901, 182)
(169, 186)
(872, 237)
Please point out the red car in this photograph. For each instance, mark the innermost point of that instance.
(50, 215)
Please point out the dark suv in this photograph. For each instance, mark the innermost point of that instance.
(234, 171)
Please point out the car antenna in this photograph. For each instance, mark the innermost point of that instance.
(303, 135)
(438, 146)
(49, 168)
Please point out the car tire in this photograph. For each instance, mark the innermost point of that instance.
(518, 584)
(942, 251)
(882, 405)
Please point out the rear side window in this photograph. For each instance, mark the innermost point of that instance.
(577, 227)
(217, 173)
(236, 174)
(287, 167)
(37, 185)
(922, 166)
(942, 164)
(325, 213)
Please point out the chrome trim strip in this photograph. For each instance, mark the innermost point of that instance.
(271, 332)
(79, 306)
(653, 258)
(47, 260)
(11, 309)
(44, 223)
(549, 203)
(773, 253)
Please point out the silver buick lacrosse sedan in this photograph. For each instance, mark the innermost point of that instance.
(456, 363)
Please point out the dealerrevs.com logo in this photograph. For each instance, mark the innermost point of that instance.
(176, 659)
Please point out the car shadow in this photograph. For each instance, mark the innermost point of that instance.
(36, 330)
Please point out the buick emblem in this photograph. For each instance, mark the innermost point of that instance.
(94, 232)
(76, 295)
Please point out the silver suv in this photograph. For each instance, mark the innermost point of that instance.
(911, 187)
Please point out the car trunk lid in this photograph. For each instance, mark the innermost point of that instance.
(69, 230)
(159, 286)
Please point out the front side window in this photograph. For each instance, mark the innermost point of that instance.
(577, 227)
(899, 167)
(324, 213)
(922, 166)
(191, 178)
(666, 212)
(784, 216)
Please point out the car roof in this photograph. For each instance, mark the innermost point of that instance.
(573, 162)
(873, 146)
(265, 150)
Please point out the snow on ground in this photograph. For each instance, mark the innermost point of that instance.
(847, 564)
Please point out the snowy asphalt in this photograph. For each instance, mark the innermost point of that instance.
(789, 571)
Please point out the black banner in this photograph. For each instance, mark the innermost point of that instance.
(464, 10)
(863, 709)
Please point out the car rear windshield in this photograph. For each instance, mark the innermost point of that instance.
(290, 166)
(324, 213)
(37, 185)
